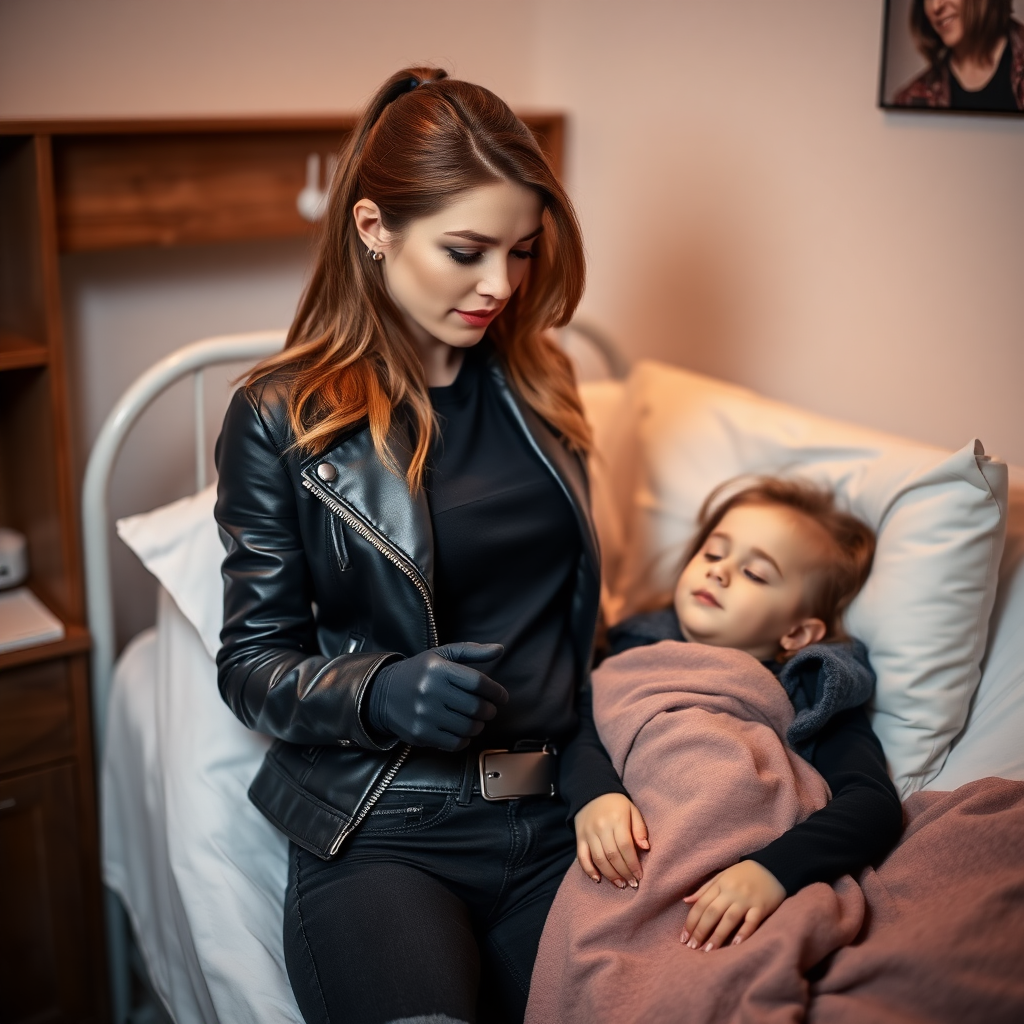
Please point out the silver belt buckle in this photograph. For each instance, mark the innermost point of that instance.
(508, 775)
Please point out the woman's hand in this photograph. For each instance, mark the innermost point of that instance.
(745, 895)
(606, 830)
(434, 699)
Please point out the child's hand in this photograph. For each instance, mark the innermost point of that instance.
(606, 830)
(745, 894)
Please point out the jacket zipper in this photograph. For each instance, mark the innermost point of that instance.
(417, 580)
(382, 546)
(375, 795)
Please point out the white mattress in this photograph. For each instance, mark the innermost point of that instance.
(203, 874)
(199, 869)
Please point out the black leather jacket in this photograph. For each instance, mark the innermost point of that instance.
(328, 575)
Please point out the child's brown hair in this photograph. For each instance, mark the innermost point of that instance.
(853, 542)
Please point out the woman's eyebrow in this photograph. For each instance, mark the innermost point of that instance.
(475, 236)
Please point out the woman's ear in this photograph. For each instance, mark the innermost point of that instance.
(805, 632)
(367, 216)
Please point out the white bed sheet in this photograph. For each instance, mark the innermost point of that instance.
(199, 869)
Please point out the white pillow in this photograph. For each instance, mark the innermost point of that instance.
(940, 518)
(180, 545)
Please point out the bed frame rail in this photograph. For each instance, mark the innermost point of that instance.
(191, 359)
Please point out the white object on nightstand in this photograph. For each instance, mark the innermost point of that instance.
(25, 621)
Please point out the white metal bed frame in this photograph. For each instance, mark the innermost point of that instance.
(190, 359)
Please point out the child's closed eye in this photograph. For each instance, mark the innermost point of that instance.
(751, 575)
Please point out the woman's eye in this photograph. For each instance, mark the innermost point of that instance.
(464, 258)
(523, 254)
(753, 576)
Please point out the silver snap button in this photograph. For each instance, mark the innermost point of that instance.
(326, 472)
(344, 743)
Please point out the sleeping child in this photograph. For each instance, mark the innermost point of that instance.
(770, 572)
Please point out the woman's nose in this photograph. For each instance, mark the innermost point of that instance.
(495, 283)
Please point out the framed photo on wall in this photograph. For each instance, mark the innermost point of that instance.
(962, 55)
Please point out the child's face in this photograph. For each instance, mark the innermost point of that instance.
(747, 586)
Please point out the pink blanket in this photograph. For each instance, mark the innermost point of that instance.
(696, 734)
(944, 935)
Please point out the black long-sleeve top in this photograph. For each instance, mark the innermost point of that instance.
(864, 818)
(506, 552)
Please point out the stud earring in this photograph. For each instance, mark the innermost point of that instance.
(375, 256)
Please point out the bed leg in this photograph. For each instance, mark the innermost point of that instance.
(117, 958)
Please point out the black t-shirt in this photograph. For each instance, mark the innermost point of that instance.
(506, 550)
(996, 94)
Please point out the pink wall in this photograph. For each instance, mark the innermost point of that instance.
(749, 211)
(142, 57)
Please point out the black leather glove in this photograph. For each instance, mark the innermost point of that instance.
(435, 699)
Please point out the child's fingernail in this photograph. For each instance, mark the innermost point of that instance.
(633, 883)
(686, 936)
(710, 946)
(692, 943)
(737, 940)
(620, 883)
(646, 845)
(596, 878)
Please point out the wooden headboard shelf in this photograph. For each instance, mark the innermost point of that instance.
(124, 184)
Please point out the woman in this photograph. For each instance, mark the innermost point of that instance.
(975, 54)
(411, 574)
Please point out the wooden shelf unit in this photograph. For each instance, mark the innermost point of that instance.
(79, 186)
(17, 353)
(123, 184)
(51, 951)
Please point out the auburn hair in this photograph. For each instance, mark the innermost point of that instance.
(852, 548)
(423, 140)
(985, 23)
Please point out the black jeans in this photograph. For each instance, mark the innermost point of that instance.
(432, 909)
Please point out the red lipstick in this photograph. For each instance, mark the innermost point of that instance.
(477, 317)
